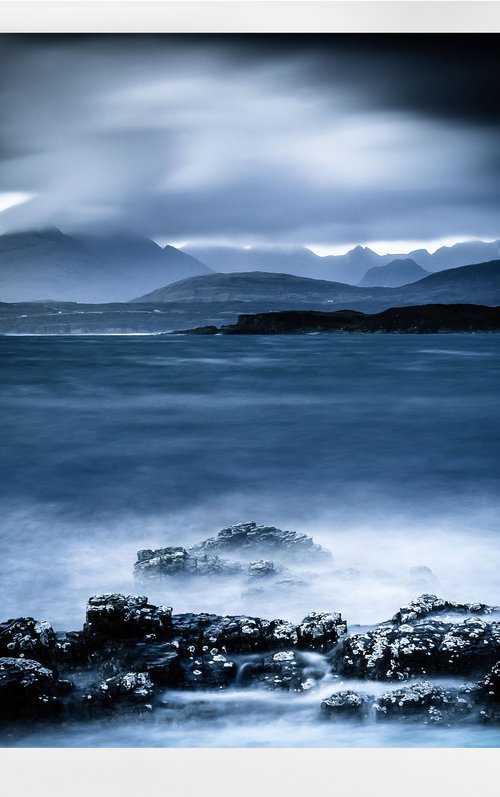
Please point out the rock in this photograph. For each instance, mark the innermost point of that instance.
(422, 648)
(164, 562)
(421, 577)
(278, 634)
(490, 685)
(246, 539)
(71, 649)
(241, 634)
(346, 704)
(27, 688)
(198, 633)
(286, 669)
(427, 605)
(321, 631)
(28, 638)
(424, 701)
(178, 561)
(114, 616)
(212, 670)
(261, 569)
(160, 661)
(131, 692)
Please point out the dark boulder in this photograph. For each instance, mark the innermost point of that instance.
(241, 634)
(71, 649)
(346, 704)
(27, 689)
(28, 638)
(247, 539)
(321, 631)
(127, 693)
(423, 701)
(211, 670)
(490, 685)
(201, 632)
(160, 661)
(114, 616)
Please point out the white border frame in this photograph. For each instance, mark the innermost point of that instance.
(253, 16)
(249, 772)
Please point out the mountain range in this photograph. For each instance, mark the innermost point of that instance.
(51, 265)
(478, 284)
(349, 268)
(218, 299)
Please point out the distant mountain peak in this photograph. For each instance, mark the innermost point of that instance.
(401, 271)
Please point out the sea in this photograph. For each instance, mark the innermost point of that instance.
(384, 448)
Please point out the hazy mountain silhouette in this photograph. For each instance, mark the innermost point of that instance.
(393, 274)
(348, 268)
(49, 264)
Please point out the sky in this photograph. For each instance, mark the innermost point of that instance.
(319, 140)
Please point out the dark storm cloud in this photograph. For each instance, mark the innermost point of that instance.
(296, 139)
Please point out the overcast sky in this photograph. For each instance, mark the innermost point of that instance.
(318, 140)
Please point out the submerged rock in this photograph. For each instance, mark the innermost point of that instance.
(287, 669)
(131, 692)
(347, 704)
(212, 670)
(261, 569)
(424, 701)
(427, 605)
(177, 561)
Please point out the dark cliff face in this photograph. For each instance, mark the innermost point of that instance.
(419, 319)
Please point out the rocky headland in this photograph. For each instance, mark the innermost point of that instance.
(420, 319)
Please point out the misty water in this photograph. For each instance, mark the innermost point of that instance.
(384, 448)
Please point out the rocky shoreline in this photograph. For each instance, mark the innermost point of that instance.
(439, 660)
(417, 319)
(129, 652)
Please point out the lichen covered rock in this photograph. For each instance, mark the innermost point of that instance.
(427, 605)
(424, 648)
(28, 638)
(131, 692)
(346, 704)
(210, 670)
(423, 701)
(286, 669)
(321, 630)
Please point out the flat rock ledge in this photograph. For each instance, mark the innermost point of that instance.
(130, 655)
